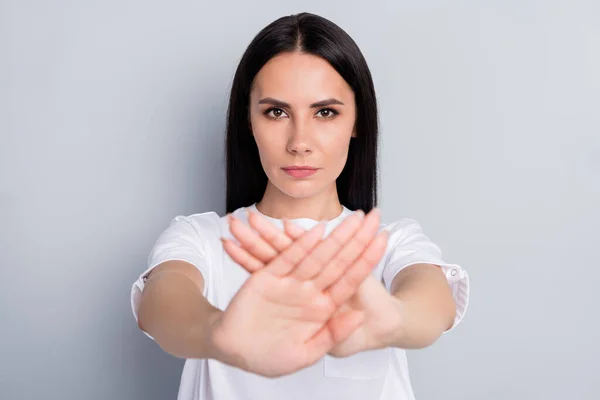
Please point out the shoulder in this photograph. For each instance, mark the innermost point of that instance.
(206, 224)
(200, 231)
(407, 233)
(401, 227)
(407, 239)
(208, 221)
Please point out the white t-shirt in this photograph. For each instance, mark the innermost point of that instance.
(378, 374)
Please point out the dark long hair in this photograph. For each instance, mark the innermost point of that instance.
(311, 34)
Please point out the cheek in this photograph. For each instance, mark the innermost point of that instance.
(339, 157)
(336, 142)
(269, 146)
(336, 154)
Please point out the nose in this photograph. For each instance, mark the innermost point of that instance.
(299, 140)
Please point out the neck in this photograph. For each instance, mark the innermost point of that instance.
(322, 206)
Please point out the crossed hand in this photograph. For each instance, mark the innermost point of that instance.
(306, 296)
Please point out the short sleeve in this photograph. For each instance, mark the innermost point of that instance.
(408, 245)
(187, 238)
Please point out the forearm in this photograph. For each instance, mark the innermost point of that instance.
(425, 306)
(176, 314)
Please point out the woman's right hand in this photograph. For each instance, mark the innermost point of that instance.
(279, 322)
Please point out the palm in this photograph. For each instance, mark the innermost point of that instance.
(278, 316)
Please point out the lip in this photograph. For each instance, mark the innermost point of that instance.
(300, 171)
(299, 167)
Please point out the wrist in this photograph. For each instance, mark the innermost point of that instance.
(220, 347)
(396, 332)
(216, 349)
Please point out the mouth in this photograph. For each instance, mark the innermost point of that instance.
(300, 171)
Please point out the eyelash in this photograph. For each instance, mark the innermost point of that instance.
(331, 111)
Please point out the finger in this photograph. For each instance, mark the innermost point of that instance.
(348, 283)
(277, 239)
(292, 230)
(348, 255)
(287, 260)
(338, 329)
(318, 259)
(251, 240)
(241, 256)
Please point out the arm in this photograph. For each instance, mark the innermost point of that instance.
(425, 305)
(175, 313)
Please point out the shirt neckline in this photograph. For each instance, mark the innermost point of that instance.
(345, 212)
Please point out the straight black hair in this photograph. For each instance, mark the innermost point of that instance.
(311, 34)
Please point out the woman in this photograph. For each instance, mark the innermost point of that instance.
(299, 292)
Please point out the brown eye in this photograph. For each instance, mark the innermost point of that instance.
(275, 113)
(327, 113)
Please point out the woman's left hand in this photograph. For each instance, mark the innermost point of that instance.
(382, 323)
(382, 320)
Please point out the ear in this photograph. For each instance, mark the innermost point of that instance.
(354, 135)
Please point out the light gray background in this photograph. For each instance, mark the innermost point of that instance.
(111, 123)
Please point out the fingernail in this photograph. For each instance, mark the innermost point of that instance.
(360, 213)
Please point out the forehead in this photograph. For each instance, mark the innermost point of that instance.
(300, 77)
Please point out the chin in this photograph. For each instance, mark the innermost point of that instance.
(298, 190)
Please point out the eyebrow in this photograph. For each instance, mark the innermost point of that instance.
(283, 104)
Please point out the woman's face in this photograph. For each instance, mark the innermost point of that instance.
(302, 114)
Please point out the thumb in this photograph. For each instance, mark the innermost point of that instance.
(337, 330)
